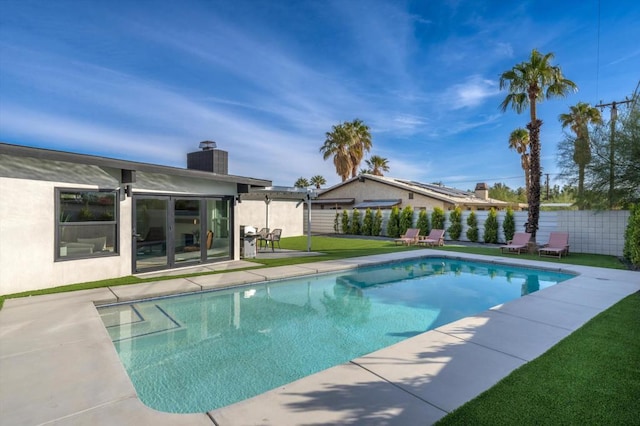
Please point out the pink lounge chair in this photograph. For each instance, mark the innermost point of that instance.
(435, 238)
(557, 246)
(409, 237)
(519, 243)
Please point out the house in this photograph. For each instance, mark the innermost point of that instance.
(370, 191)
(67, 218)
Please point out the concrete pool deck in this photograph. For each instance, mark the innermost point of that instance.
(59, 366)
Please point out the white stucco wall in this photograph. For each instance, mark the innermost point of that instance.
(27, 240)
(282, 214)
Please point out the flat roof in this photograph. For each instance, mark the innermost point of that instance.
(70, 157)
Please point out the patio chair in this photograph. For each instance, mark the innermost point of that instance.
(557, 246)
(262, 237)
(435, 238)
(519, 243)
(273, 238)
(410, 236)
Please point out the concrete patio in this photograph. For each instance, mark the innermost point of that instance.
(59, 366)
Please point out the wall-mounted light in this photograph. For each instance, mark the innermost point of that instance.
(238, 199)
(128, 190)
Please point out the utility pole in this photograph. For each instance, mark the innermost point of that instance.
(614, 117)
(547, 174)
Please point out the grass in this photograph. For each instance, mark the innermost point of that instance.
(334, 248)
(590, 377)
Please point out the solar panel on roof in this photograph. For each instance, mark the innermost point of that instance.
(452, 192)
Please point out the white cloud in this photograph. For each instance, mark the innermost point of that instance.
(473, 92)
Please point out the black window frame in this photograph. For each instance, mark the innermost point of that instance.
(61, 221)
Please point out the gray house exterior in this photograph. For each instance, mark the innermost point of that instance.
(67, 218)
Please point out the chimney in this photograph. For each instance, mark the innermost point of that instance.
(482, 191)
(209, 159)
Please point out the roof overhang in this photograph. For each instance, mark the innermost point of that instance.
(70, 157)
(280, 193)
(333, 201)
(377, 204)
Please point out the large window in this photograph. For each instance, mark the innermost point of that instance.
(86, 223)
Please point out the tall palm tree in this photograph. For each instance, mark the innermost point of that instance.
(519, 140)
(338, 144)
(318, 181)
(582, 114)
(377, 165)
(360, 143)
(347, 143)
(529, 83)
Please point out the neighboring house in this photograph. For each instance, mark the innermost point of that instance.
(67, 218)
(370, 191)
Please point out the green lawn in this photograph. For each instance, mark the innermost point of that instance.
(592, 377)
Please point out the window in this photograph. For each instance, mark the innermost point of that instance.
(86, 223)
(411, 195)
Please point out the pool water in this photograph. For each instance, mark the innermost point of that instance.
(198, 352)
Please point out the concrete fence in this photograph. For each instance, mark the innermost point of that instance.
(597, 232)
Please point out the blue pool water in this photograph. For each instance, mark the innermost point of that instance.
(198, 352)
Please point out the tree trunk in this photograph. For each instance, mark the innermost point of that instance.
(533, 197)
(581, 186)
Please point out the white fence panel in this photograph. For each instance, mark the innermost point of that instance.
(597, 232)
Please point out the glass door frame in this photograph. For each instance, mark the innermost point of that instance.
(170, 230)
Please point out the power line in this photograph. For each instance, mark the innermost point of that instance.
(598, 54)
(614, 116)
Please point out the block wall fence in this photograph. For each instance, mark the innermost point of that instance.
(597, 232)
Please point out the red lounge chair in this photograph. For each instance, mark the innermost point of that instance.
(519, 243)
(435, 238)
(557, 246)
(409, 237)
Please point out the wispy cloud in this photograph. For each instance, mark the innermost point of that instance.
(473, 92)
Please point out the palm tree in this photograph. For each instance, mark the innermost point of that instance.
(337, 144)
(582, 114)
(519, 140)
(360, 143)
(377, 165)
(529, 83)
(347, 142)
(301, 183)
(318, 181)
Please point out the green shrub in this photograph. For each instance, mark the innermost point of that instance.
(438, 218)
(406, 219)
(631, 249)
(491, 227)
(376, 229)
(423, 222)
(336, 223)
(455, 229)
(472, 231)
(345, 222)
(509, 225)
(393, 226)
(367, 223)
(355, 222)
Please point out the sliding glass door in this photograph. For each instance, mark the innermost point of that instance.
(173, 231)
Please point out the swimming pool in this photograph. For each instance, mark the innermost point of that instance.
(198, 352)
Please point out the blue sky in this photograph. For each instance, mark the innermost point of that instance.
(148, 80)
